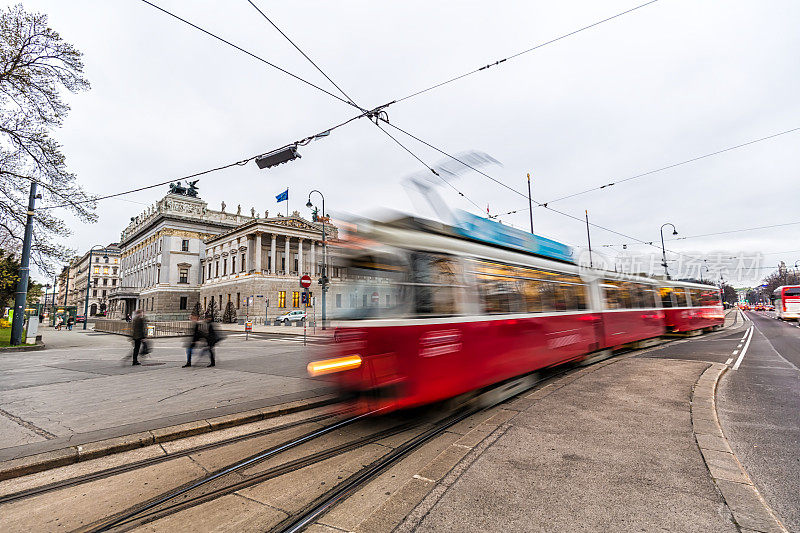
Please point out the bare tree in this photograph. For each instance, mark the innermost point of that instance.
(35, 65)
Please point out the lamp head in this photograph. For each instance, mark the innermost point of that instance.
(309, 204)
(674, 232)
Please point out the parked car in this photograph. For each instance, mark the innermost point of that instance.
(79, 319)
(292, 316)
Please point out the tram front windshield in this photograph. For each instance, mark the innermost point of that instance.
(373, 285)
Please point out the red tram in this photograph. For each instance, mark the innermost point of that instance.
(437, 311)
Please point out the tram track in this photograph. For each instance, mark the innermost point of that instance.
(231, 478)
(135, 465)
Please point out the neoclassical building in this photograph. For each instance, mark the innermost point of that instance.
(264, 259)
(104, 268)
(162, 249)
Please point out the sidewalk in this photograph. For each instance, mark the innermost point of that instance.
(82, 388)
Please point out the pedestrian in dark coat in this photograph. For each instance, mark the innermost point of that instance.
(211, 337)
(195, 336)
(138, 334)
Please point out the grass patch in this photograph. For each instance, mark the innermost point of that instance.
(5, 337)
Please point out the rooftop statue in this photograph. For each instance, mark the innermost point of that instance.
(189, 190)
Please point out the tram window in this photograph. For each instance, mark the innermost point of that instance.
(580, 297)
(531, 297)
(680, 298)
(792, 292)
(563, 297)
(436, 284)
(499, 295)
(666, 296)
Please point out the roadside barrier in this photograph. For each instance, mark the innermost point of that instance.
(176, 328)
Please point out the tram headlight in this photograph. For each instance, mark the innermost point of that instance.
(329, 366)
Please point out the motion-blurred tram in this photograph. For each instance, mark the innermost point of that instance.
(441, 310)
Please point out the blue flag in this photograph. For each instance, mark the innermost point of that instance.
(283, 197)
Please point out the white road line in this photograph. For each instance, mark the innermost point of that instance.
(729, 361)
(735, 352)
(744, 350)
(744, 336)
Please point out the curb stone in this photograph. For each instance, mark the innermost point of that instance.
(40, 462)
(750, 511)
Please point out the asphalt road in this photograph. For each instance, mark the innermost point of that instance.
(758, 403)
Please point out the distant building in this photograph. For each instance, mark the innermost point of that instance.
(263, 259)
(105, 272)
(162, 249)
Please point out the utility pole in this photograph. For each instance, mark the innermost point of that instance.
(530, 201)
(589, 238)
(24, 273)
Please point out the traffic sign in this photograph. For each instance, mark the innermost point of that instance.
(305, 281)
(375, 297)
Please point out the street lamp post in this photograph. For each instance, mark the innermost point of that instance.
(46, 288)
(89, 286)
(663, 249)
(324, 278)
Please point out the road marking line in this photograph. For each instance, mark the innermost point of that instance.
(744, 350)
(729, 361)
(735, 352)
(744, 336)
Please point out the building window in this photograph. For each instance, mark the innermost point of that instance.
(233, 264)
(209, 271)
(184, 303)
(116, 260)
(224, 267)
(296, 299)
(364, 300)
(243, 263)
(105, 281)
(185, 245)
(105, 271)
(296, 265)
(338, 300)
(283, 264)
(281, 298)
(105, 259)
(114, 271)
(95, 282)
(216, 263)
(238, 300)
(114, 282)
(94, 293)
(96, 270)
(183, 275)
(202, 274)
(387, 300)
(152, 302)
(205, 302)
(219, 307)
(105, 293)
(96, 259)
(310, 297)
(229, 297)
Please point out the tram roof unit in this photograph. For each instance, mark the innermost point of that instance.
(478, 229)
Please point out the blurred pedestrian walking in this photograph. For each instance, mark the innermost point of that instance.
(70, 323)
(195, 336)
(138, 335)
(212, 337)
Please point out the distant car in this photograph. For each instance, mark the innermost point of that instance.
(80, 318)
(770, 307)
(292, 316)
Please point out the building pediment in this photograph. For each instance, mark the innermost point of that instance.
(292, 223)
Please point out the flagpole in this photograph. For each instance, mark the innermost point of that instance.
(287, 201)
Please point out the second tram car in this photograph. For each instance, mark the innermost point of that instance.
(438, 312)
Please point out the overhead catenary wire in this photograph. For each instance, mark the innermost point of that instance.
(531, 49)
(374, 114)
(713, 234)
(251, 54)
(655, 171)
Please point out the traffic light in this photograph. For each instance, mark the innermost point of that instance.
(276, 157)
(325, 282)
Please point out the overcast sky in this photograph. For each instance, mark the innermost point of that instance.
(671, 81)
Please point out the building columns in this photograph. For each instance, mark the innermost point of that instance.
(288, 263)
(300, 266)
(272, 248)
(258, 253)
(313, 269)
